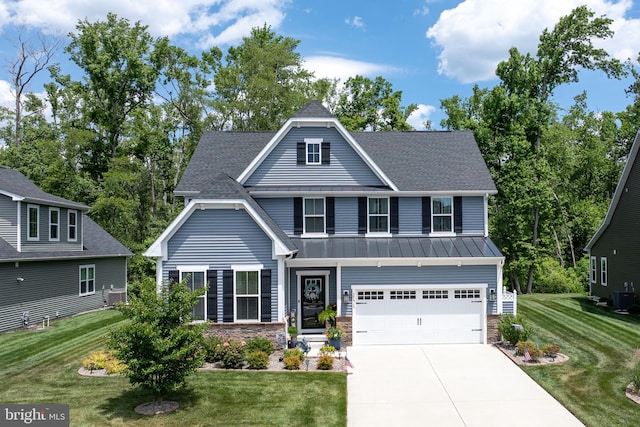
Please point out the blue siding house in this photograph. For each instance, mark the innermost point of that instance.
(54, 260)
(390, 227)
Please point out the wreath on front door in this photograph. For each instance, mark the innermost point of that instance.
(312, 291)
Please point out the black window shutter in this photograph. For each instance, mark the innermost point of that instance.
(426, 215)
(265, 295)
(212, 295)
(330, 207)
(326, 153)
(301, 151)
(227, 296)
(174, 278)
(457, 214)
(394, 215)
(362, 215)
(297, 215)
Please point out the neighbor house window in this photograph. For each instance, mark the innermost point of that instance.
(314, 218)
(247, 295)
(442, 214)
(87, 279)
(195, 280)
(314, 156)
(592, 269)
(603, 271)
(72, 220)
(378, 215)
(33, 222)
(54, 224)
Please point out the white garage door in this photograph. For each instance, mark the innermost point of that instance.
(418, 316)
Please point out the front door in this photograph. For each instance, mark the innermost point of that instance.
(312, 302)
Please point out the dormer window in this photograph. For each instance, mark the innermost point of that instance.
(313, 153)
(72, 221)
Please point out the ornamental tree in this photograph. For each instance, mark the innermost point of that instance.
(158, 345)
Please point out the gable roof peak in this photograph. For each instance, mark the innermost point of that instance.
(313, 109)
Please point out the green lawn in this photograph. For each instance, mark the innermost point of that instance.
(600, 345)
(41, 367)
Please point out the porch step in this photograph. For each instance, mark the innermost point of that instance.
(314, 337)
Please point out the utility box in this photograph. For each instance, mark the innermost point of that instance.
(116, 296)
(623, 299)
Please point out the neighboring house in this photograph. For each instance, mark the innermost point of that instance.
(389, 226)
(54, 260)
(614, 250)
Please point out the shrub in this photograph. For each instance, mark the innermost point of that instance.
(233, 354)
(635, 378)
(327, 349)
(292, 362)
(114, 367)
(534, 351)
(325, 362)
(259, 343)
(550, 349)
(551, 278)
(634, 309)
(258, 359)
(294, 352)
(212, 349)
(98, 358)
(511, 334)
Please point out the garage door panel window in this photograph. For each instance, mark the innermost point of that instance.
(467, 294)
(402, 295)
(370, 295)
(435, 294)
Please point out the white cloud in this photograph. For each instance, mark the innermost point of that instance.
(355, 22)
(213, 21)
(420, 115)
(6, 96)
(342, 68)
(476, 35)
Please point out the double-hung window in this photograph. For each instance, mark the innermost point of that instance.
(442, 214)
(194, 279)
(603, 271)
(54, 224)
(314, 216)
(72, 225)
(314, 152)
(378, 214)
(33, 222)
(247, 295)
(592, 269)
(87, 280)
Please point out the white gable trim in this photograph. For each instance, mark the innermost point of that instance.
(622, 184)
(159, 247)
(308, 122)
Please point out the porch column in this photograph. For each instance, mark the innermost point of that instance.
(338, 289)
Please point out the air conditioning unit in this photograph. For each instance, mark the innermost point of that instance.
(116, 296)
(622, 299)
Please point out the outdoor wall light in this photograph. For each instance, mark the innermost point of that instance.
(492, 294)
(345, 297)
(19, 280)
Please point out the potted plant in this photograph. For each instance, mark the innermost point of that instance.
(293, 333)
(334, 335)
(328, 315)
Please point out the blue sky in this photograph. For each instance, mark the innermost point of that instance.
(430, 50)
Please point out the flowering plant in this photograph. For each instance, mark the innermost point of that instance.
(335, 332)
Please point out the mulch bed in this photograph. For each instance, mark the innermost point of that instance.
(157, 408)
(510, 352)
(275, 364)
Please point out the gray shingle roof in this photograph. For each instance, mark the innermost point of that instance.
(396, 247)
(313, 109)
(14, 182)
(97, 244)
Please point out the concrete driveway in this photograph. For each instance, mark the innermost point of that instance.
(445, 385)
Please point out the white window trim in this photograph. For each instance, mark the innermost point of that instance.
(86, 266)
(593, 269)
(604, 271)
(312, 141)
(305, 233)
(69, 226)
(387, 233)
(247, 268)
(196, 269)
(433, 215)
(37, 237)
(57, 225)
